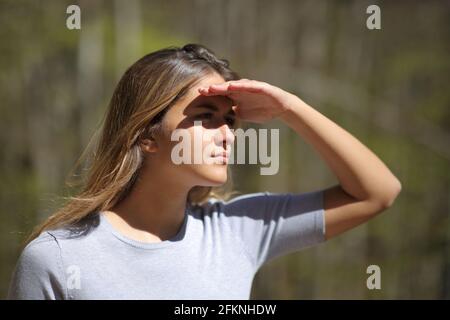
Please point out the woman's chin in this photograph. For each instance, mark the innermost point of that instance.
(216, 182)
(211, 175)
(216, 178)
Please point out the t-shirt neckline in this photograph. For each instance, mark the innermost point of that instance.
(177, 239)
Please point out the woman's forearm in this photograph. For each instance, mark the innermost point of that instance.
(360, 172)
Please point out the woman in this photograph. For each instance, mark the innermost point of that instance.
(144, 227)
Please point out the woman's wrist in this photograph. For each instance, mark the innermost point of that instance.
(292, 105)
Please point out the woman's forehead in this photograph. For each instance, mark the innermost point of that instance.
(209, 80)
(219, 103)
(195, 98)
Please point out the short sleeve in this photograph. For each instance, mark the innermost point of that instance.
(38, 274)
(273, 224)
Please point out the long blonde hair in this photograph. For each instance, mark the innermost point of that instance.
(143, 95)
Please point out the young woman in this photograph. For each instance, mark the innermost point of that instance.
(144, 227)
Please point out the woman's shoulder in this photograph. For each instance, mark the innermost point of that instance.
(236, 202)
(47, 246)
(53, 236)
(223, 207)
(38, 269)
(236, 197)
(40, 253)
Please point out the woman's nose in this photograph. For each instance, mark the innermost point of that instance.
(226, 136)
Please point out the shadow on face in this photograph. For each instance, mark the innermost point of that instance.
(217, 119)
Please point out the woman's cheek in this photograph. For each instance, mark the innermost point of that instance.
(202, 144)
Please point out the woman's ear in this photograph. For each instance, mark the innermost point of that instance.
(148, 145)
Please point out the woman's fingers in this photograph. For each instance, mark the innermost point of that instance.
(208, 91)
(250, 87)
(232, 86)
(219, 88)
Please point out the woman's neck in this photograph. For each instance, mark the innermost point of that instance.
(154, 209)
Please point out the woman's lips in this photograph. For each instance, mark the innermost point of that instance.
(222, 156)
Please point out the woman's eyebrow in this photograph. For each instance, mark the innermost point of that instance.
(212, 107)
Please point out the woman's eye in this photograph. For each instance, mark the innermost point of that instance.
(204, 116)
(208, 116)
(230, 121)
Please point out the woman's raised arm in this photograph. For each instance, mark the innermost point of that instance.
(366, 186)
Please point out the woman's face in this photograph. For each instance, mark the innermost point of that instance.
(193, 152)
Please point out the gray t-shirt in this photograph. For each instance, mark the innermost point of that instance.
(215, 254)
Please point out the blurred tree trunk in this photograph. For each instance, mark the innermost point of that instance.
(90, 70)
(128, 33)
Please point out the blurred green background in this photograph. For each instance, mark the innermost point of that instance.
(388, 87)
